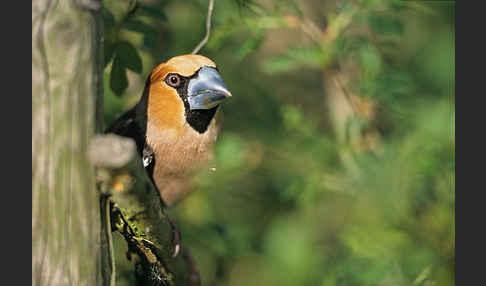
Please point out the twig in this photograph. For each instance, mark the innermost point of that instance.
(108, 268)
(208, 28)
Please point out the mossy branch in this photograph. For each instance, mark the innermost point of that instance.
(133, 208)
(150, 268)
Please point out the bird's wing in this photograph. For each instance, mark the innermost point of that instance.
(123, 125)
(128, 125)
(132, 125)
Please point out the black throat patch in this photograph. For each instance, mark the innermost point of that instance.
(198, 119)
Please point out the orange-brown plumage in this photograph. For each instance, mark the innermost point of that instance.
(185, 65)
(176, 121)
(165, 106)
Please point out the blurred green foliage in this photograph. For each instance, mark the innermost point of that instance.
(291, 203)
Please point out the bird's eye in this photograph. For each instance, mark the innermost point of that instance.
(174, 80)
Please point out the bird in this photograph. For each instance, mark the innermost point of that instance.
(176, 122)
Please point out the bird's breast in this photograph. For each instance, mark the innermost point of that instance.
(179, 152)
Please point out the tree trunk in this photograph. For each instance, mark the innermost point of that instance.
(65, 208)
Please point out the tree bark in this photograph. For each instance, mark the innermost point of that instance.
(65, 212)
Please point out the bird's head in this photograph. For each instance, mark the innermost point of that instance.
(185, 90)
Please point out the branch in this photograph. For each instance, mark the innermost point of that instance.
(131, 206)
(208, 28)
(108, 152)
(150, 263)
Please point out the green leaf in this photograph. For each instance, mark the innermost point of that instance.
(294, 58)
(151, 11)
(118, 77)
(370, 60)
(249, 46)
(280, 64)
(129, 57)
(149, 34)
(221, 34)
(108, 18)
(370, 3)
(245, 4)
(292, 116)
(109, 50)
(113, 105)
(422, 276)
(395, 82)
(138, 26)
(149, 43)
(132, 7)
(386, 25)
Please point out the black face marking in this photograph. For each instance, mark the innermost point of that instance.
(199, 119)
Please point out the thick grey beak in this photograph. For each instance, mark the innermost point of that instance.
(207, 89)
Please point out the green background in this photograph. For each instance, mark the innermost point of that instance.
(299, 199)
